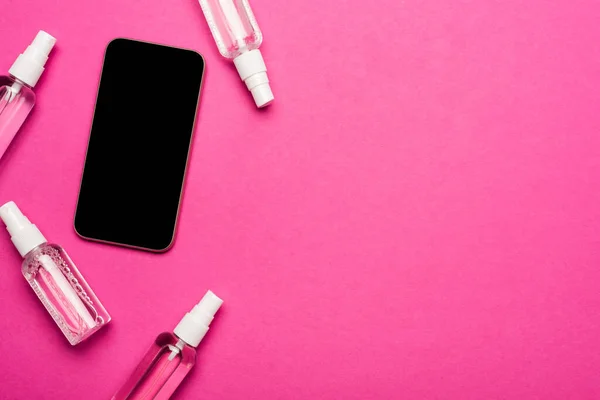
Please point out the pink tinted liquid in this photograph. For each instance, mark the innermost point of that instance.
(15, 106)
(64, 292)
(161, 370)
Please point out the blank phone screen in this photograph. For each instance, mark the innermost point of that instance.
(139, 144)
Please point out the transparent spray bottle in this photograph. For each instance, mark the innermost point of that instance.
(16, 97)
(238, 38)
(171, 356)
(55, 279)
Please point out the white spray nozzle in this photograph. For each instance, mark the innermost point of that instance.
(194, 324)
(253, 71)
(43, 43)
(25, 236)
(208, 307)
(13, 218)
(30, 64)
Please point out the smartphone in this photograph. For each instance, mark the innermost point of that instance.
(139, 145)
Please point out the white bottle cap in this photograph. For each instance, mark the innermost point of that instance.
(253, 71)
(25, 236)
(29, 66)
(194, 324)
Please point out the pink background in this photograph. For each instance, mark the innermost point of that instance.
(416, 217)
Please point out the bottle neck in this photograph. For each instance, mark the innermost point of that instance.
(177, 349)
(28, 240)
(35, 249)
(15, 89)
(19, 83)
(182, 343)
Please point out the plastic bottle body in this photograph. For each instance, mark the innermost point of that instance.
(161, 371)
(232, 25)
(16, 102)
(64, 292)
